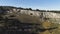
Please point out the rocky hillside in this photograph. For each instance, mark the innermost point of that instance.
(22, 23)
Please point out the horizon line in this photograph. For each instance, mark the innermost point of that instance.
(34, 8)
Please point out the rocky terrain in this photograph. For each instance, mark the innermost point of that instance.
(15, 20)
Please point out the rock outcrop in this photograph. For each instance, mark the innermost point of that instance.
(24, 21)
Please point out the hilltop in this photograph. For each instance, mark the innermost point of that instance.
(27, 20)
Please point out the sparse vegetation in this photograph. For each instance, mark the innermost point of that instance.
(28, 21)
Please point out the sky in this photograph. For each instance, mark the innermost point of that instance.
(34, 4)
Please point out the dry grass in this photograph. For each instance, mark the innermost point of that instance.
(28, 19)
(46, 24)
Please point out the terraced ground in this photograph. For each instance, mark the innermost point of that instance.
(25, 24)
(14, 23)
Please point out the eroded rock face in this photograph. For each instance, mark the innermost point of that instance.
(23, 21)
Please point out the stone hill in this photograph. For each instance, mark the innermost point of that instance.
(15, 20)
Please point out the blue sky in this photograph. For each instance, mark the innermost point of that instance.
(34, 4)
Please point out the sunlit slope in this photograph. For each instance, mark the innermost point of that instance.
(28, 19)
